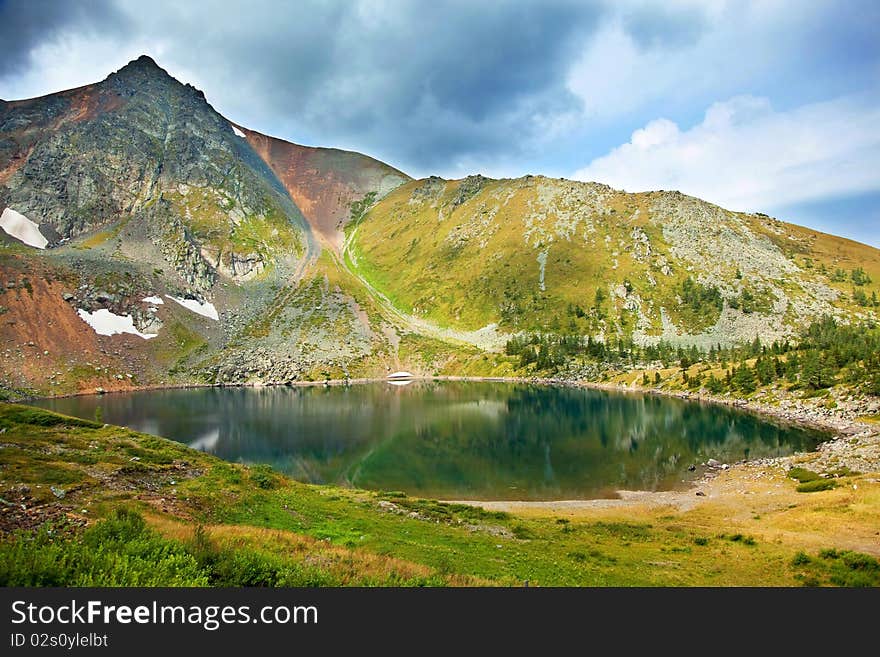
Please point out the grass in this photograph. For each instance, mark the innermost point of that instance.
(838, 568)
(221, 523)
(467, 264)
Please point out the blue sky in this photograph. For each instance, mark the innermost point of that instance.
(769, 106)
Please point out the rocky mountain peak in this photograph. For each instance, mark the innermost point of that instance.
(144, 62)
(141, 71)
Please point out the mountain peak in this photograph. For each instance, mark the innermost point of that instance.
(144, 61)
(145, 65)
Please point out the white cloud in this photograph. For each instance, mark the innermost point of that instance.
(746, 156)
(638, 60)
(72, 61)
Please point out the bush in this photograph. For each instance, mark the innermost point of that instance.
(740, 538)
(800, 559)
(803, 475)
(816, 485)
(263, 476)
(522, 532)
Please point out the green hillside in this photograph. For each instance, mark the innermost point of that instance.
(552, 255)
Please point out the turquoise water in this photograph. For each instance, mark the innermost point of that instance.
(454, 440)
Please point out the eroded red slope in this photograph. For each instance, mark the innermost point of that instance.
(324, 181)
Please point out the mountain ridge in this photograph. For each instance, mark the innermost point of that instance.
(323, 263)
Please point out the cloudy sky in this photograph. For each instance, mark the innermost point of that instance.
(770, 106)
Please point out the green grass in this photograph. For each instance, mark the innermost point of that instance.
(837, 568)
(122, 550)
(13, 415)
(180, 517)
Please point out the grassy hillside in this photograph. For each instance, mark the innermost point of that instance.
(551, 255)
(90, 504)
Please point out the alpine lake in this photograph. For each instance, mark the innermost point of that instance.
(455, 440)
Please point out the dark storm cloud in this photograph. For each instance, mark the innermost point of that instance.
(25, 24)
(663, 26)
(426, 82)
(445, 85)
(421, 82)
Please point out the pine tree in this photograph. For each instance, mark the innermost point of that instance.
(744, 379)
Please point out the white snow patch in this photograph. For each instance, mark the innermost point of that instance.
(156, 301)
(106, 323)
(21, 228)
(400, 375)
(238, 133)
(206, 309)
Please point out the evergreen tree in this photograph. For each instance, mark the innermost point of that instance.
(765, 370)
(714, 385)
(744, 379)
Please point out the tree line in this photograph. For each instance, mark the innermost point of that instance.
(826, 353)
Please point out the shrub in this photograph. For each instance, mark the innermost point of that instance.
(522, 532)
(118, 551)
(800, 559)
(803, 475)
(816, 485)
(263, 476)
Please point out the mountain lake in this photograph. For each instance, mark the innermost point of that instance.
(457, 440)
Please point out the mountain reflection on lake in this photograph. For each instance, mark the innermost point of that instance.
(454, 440)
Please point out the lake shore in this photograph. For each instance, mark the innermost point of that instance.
(799, 414)
(852, 444)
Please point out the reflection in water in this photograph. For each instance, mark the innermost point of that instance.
(454, 439)
(208, 442)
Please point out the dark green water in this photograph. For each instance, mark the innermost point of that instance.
(454, 440)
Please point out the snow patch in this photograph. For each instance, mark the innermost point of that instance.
(106, 323)
(156, 301)
(238, 133)
(206, 309)
(21, 228)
